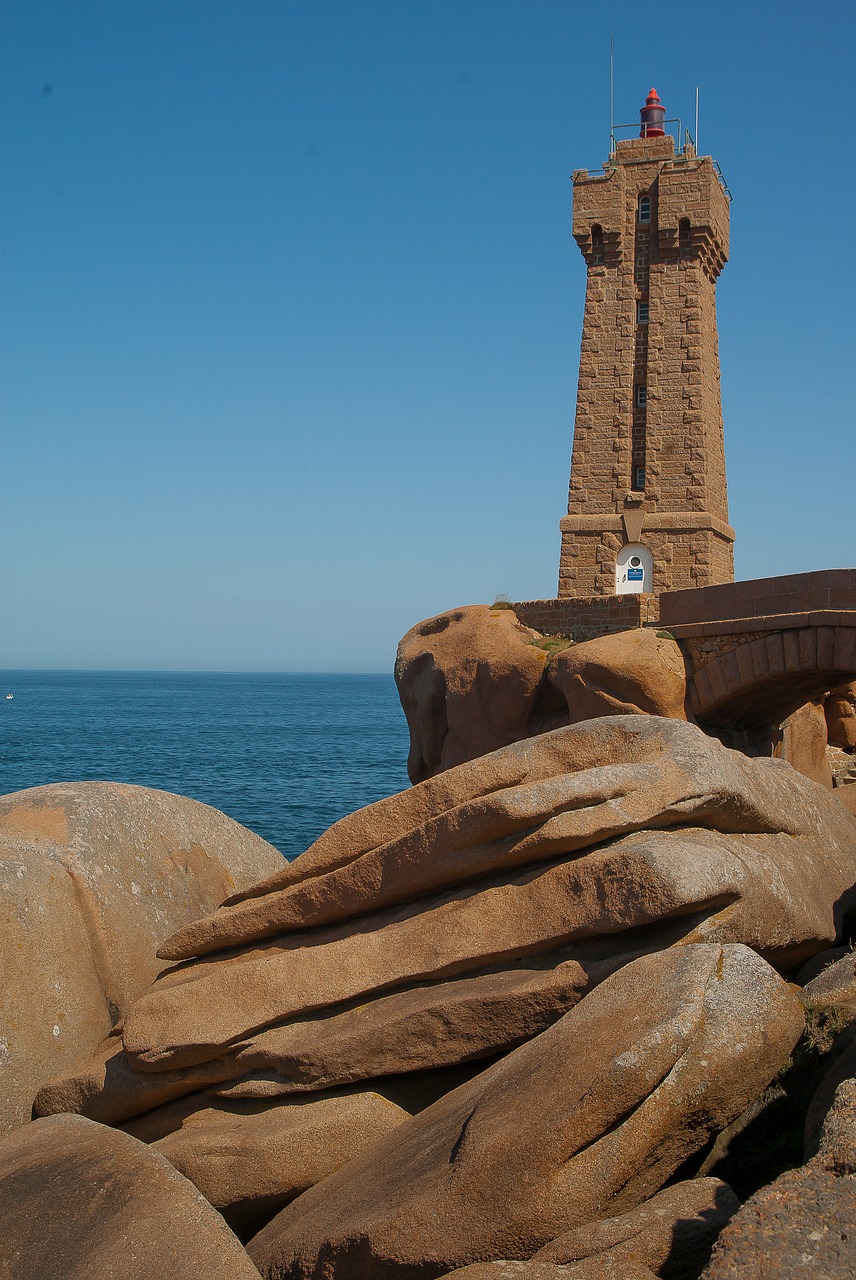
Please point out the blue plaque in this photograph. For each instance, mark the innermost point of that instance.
(634, 575)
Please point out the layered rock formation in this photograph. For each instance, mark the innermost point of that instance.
(477, 1027)
(587, 1120)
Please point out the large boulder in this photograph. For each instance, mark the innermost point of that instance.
(468, 681)
(803, 743)
(586, 1121)
(622, 674)
(429, 1027)
(251, 1160)
(81, 1202)
(800, 1227)
(840, 708)
(672, 1234)
(475, 679)
(94, 876)
(478, 907)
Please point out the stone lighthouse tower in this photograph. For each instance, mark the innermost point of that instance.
(648, 508)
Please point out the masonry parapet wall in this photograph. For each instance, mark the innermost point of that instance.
(761, 598)
(594, 615)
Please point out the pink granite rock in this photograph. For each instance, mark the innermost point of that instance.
(82, 1202)
(586, 1121)
(94, 877)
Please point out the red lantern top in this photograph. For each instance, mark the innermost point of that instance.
(652, 117)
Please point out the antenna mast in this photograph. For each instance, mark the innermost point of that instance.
(611, 101)
(696, 119)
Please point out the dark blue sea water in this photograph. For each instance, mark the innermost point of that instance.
(284, 754)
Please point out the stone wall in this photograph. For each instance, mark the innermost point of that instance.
(587, 616)
(765, 599)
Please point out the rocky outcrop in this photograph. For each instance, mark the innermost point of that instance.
(468, 683)
(81, 1201)
(611, 1100)
(429, 1027)
(801, 1226)
(94, 877)
(840, 708)
(482, 1023)
(474, 680)
(803, 743)
(478, 907)
(672, 1234)
(251, 1160)
(622, 674)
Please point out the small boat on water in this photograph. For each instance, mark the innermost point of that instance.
(9, 697)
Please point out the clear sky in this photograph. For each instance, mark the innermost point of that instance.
(291, 309)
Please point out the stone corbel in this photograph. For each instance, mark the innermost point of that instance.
(633, 519)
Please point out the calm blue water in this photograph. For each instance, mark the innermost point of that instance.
(285, 754)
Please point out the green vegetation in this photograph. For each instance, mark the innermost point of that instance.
(823, 1023)
(552, 644)
(501, 601)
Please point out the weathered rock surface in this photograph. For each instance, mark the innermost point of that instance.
(609, 1102)
(837, 1146)
(818, 963)
(840, 707)
(564, 791)
(251, 1161)
(471, 681)
(846, 796)
(839, 1076)
(804, 743)
(94, 876)
(510, 877)
(468, 681)
(622, 674)
(592, 1269)
(835, 984)
(81, 1202)
(428, 1027)
(801, 1226)
(672, 1234)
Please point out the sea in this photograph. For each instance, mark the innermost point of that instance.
(286, 755)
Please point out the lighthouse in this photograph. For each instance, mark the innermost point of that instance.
(647, 504)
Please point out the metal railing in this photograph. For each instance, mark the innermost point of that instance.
(642, 131)
(685, 150)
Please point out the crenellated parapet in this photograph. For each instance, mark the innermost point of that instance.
(693, 215)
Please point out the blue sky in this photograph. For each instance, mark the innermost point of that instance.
(291, 308)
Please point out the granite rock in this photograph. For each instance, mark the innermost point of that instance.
(81, 1202)
(627, 673)
(468, 681)
(672, 1234)
(611, 1100)
(94, 877)
(251, 1160)
(840, 708)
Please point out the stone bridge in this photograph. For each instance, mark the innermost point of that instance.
(757, 650)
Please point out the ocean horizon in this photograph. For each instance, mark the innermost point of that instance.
(284, 753)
